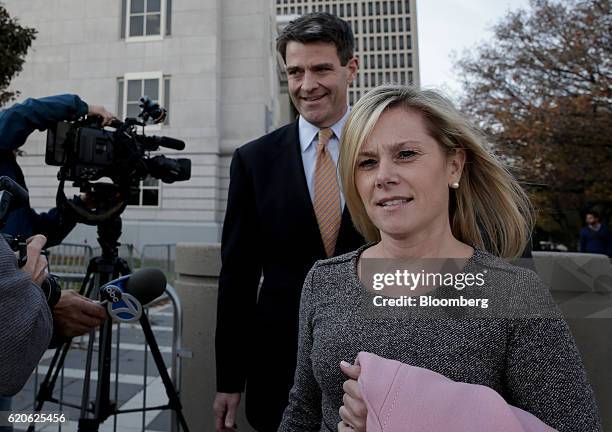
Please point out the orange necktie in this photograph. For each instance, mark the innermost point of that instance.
(326, 194)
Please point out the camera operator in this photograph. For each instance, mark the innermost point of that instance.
(72, 315)
(16, 124)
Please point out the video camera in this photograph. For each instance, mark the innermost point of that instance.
(86, 152)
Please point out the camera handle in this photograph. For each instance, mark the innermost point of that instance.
(113, 210)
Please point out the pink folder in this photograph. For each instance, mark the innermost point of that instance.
(404, 398)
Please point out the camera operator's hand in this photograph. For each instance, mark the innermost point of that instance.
(100, 111)
(74, 315)
(36, 265)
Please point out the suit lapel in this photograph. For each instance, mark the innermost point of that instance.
(297, 185)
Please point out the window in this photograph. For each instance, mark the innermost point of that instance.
(145, 19)
(133, 86)
(148, 195)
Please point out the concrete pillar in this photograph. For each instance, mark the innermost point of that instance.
(197, 268)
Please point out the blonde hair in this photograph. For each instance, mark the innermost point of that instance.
(489, 201)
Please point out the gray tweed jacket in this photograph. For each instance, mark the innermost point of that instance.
(520, 346)
(26, 324)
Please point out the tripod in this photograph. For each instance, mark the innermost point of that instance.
(101, 270)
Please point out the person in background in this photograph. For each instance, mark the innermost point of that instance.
(595, 237)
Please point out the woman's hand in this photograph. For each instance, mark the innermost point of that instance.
(354, 411)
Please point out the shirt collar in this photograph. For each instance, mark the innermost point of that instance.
(308, 131)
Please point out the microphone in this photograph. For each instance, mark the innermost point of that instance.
(164, 141)
(172, 143)
(125, 296)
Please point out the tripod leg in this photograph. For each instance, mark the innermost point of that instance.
(87, 377)
(174, 401)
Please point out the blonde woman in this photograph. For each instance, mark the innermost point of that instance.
(419, 183)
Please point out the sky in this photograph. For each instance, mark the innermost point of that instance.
(447, 26)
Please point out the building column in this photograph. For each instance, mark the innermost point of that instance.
(197, 281)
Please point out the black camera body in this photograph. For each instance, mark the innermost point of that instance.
(87, 152)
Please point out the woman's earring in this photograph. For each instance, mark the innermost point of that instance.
(454, 185)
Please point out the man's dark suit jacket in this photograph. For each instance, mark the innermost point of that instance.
(270, 227)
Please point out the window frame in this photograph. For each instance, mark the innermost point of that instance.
(133, 76)
(142, 188)
(145, 38)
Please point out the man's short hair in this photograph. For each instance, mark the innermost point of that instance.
(595, 213)
(319, 27)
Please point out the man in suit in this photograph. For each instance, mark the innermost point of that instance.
(285, 211)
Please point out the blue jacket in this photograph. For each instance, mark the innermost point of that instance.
(16, 124)
(599, 242)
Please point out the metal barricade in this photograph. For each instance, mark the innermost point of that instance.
(69, 261)
(161, 256)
